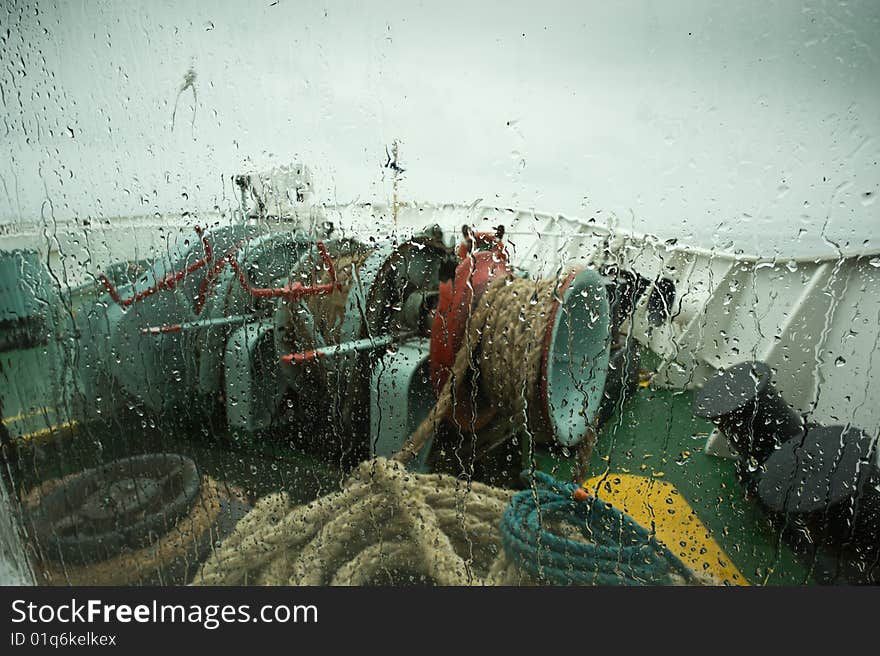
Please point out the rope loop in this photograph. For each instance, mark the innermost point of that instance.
(558, 539)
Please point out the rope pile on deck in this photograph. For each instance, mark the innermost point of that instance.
(385, 520)
(389, 525)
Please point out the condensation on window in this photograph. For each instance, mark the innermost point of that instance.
(309, 293)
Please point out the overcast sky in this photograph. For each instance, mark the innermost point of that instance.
(744, 123)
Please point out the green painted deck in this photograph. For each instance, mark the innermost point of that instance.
(656, 435)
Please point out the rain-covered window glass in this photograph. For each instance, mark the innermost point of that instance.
(452, 293)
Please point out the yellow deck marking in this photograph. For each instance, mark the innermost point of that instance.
(658, 505)
(46, 432)
(41, 412)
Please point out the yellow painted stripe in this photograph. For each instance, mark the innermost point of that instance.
(658, 506)
(42, 412)
(46, 432)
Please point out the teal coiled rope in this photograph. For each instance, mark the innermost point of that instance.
(616, 550)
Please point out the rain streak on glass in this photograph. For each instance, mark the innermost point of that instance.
(307, 296)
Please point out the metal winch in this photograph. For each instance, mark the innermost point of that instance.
(574, 357)
(346, 341)
(330, 344)
(260, 323)
(193, 324)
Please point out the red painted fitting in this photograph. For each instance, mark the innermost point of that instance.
(473, 239)
(299, 358)
(329, 262)
(293, 292)
(168, 282)
(459, 297)
(457, 300)
(213, 272)
(158, 330)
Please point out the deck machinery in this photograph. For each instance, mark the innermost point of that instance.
(335, 336)
(342, 346)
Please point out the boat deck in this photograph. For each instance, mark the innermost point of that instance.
(651, 450)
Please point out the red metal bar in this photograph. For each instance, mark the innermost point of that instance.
(293, 292)
(158, 330)
(364, 344)
(213, 272)
(329, 262)
(299, 358)
(168, 282)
